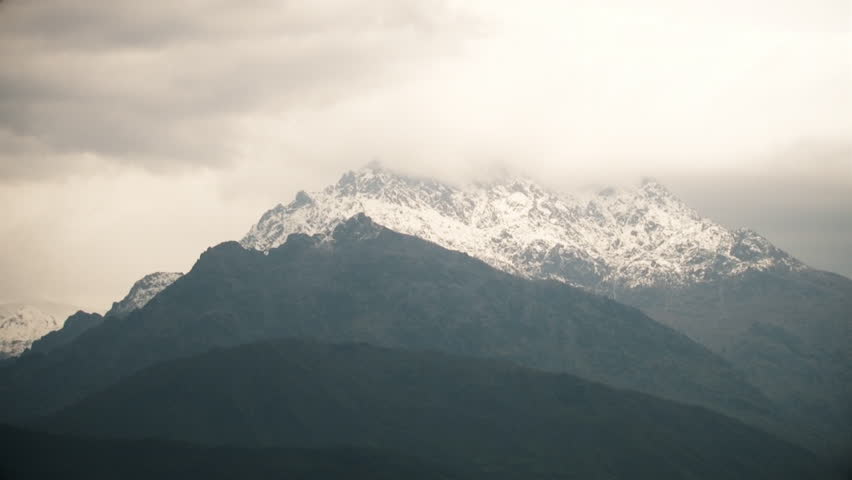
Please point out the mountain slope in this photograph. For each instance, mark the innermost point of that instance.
(489, 416)
(367, 283)
(74, 326)
(142, 292)
(22, 325)
(28, 455)
(789, 332)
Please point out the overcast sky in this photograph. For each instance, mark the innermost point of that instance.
(133, 135)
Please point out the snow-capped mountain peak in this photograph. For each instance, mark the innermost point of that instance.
(642, 236)
(143, 291)
(22, 324)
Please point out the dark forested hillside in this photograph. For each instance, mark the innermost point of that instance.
(487, 416)
(26, 455)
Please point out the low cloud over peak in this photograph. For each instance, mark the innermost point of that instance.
(170, 127)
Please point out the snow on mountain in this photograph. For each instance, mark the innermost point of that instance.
(636, 237)
(142, 292)
(22, 324)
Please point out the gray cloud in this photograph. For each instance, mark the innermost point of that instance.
(163, 129)
(169, 85)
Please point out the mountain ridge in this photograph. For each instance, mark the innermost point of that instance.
(642, 237)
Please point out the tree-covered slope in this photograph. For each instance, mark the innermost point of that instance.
(484, 415)
(27, 455)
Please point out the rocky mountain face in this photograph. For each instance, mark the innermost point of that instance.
(142, 292)
(642, 237)
(22, 324)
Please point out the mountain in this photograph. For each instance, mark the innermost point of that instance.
(789, 332)
(48, 325)
(23, 323)
(142, 292)
(28, 455)
(74, 326)
(492, 417)
(368, 283)
(627, 238)
(786, 325)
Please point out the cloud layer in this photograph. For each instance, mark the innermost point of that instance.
(165, 86)
(163, 128)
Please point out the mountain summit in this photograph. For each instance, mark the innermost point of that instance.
(639, 237)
